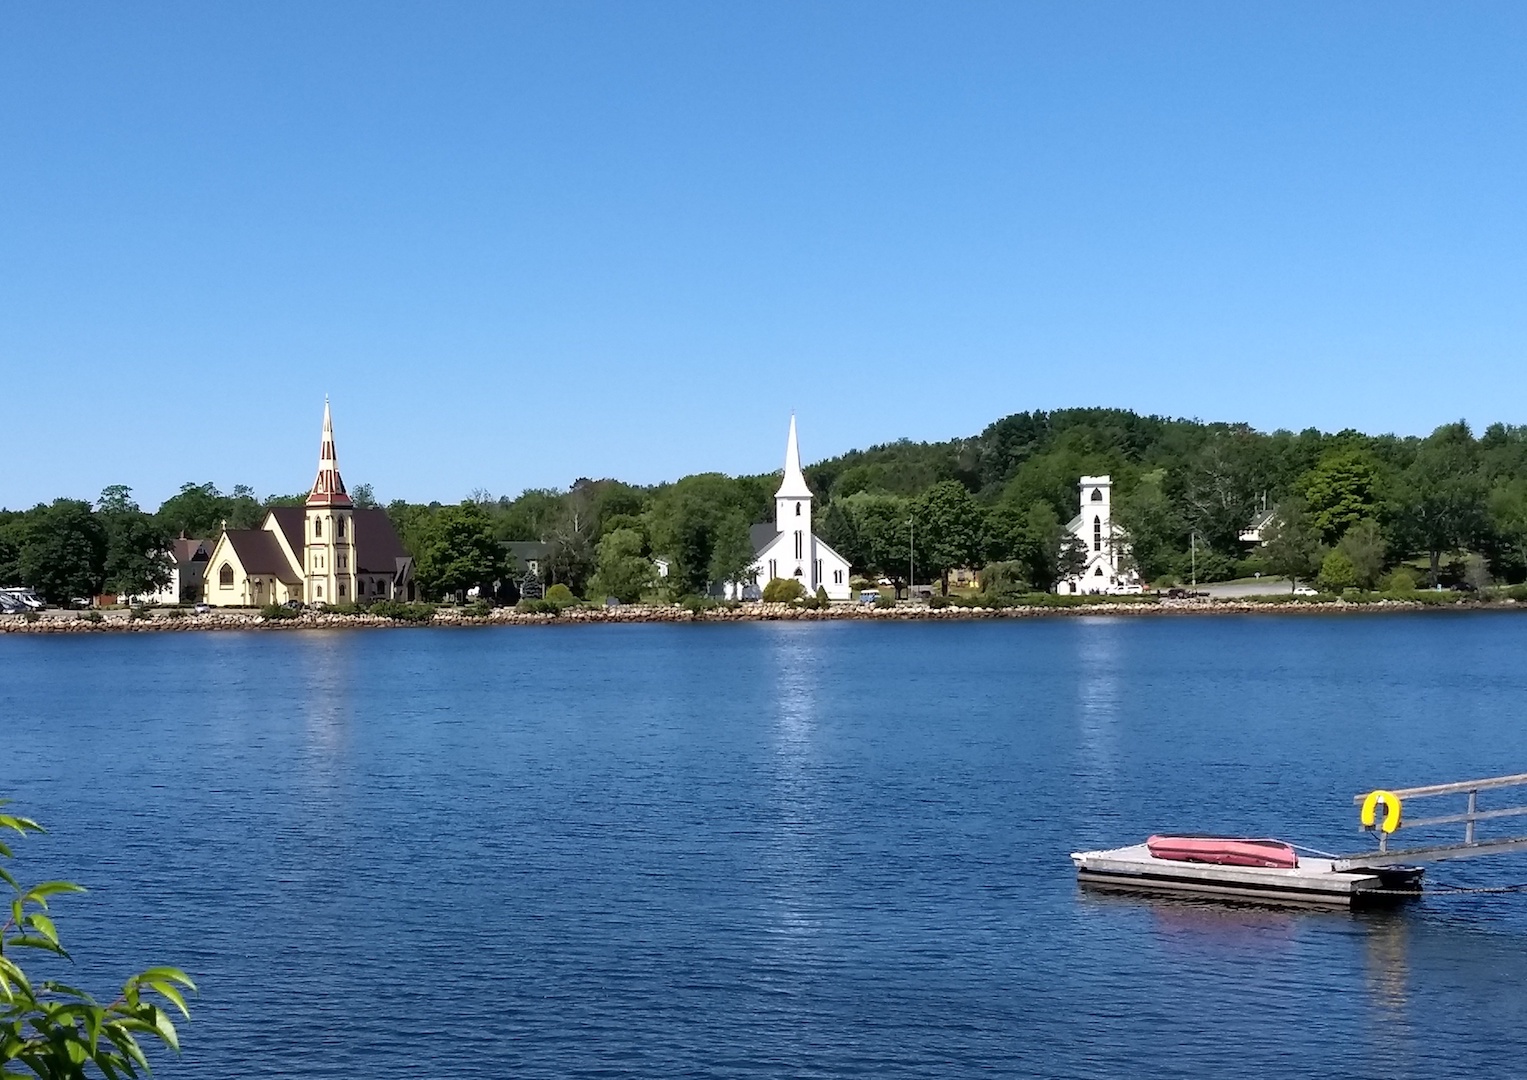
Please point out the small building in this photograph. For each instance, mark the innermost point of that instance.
(788, 548)
(187, 562)
(325, 552)
(1109, 568)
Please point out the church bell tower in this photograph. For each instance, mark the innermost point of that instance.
(792, 515)
(329, 540)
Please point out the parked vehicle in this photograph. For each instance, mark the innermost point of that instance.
(1305, 590)
(203, 609)
(868, 596)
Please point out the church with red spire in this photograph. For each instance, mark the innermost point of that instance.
(328, 551)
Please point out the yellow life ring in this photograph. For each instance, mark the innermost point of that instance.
(1391, 803)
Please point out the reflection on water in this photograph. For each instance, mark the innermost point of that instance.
(325, 704)
(794, 856)
(1098, 686)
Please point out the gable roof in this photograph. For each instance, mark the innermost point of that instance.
(378, 548)
(762, 535)
(183, 549)
(377, 544)
(260, 552)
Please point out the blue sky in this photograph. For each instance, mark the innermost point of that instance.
(518, 244)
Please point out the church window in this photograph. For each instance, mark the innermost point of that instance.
(317, 527)
(1098, 572)
(341, 588)
(773, 569)
(339, 528)
(320, 592)
(1097, 534)
(817, 576)
(797, 509)
(837, 577)
(1097, 494)
(798, 544)
(225, 577)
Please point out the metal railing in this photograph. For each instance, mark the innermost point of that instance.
(1392, 803)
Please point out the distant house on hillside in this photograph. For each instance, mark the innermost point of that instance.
(1108, 568)
(326, 552)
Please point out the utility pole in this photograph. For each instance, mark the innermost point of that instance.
(1193, 543)
(911, 557)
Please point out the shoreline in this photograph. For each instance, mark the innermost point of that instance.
(161, 622)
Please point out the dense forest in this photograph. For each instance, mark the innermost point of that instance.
(1348, 509)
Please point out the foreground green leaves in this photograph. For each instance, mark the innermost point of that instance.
(53, 1031)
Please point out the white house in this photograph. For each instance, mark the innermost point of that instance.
(1109, 568)
(187, 563)
(788, 548)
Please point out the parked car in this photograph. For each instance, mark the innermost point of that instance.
(1305, 590)
(203, 609)
(868, 596)
(80, 602)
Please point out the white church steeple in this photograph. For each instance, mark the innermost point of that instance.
(792, 502)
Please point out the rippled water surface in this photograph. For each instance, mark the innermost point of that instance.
(773, 849)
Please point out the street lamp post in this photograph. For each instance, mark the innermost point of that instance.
(911, 556)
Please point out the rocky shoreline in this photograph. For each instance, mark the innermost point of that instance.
(161, 622)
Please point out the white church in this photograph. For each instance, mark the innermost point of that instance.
(1109, 568)
(788, 548)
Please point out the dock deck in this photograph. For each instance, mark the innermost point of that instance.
(1315, 881)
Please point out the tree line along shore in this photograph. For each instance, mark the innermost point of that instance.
(1351, 512)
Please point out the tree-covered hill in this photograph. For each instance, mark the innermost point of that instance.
(1357, 505)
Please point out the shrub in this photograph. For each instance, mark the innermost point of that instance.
(1514, 592)
(1337, 573)
(175, 613)
(822, 597)
(783, 590)
(538, 607)
(937, 602)
(84, 616)
(343, 609)
(1401, 581)
(139, 612)
(807, 603)
(859, 584)
(479, 609)
(32, 616)
(401, 611)
(697, 603)
(561, 595)
(1003, 579)
(885, 603)
(277, 611)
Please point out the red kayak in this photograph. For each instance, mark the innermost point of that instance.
(1224, 850)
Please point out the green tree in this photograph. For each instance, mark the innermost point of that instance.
(1291, 544)
(1508, 522)
(1363, 545)
(457, 552)
(624, 572)
(63, 551)
(731, 559)
(881, 524)
(1336, 572)
(1340, 492)
(51, 1030)
(362, 495)
(137, 548)
(955, 529)
(1442, 505)
(1153, 525)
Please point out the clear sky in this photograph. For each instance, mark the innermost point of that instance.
(519, 244)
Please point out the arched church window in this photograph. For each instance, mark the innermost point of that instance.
(797, 509)
(339, 528)
(317, 527)
(1097, 534)
(225, 576)
(1097, 494)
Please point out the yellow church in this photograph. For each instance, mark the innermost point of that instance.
(326, 552)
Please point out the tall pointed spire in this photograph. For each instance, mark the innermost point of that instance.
(328, 488)
(793, 484)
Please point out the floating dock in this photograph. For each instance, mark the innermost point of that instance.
(1387, 875)
(1314, 882)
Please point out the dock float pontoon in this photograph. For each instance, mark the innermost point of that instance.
(1215, 867)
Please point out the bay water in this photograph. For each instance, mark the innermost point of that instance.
(770, 849)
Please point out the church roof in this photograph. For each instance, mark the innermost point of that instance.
(377, 544)
(762, 536)
(260, 552)
(793, 484)
(328, 487)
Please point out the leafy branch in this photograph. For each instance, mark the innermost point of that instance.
(53, 1031)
